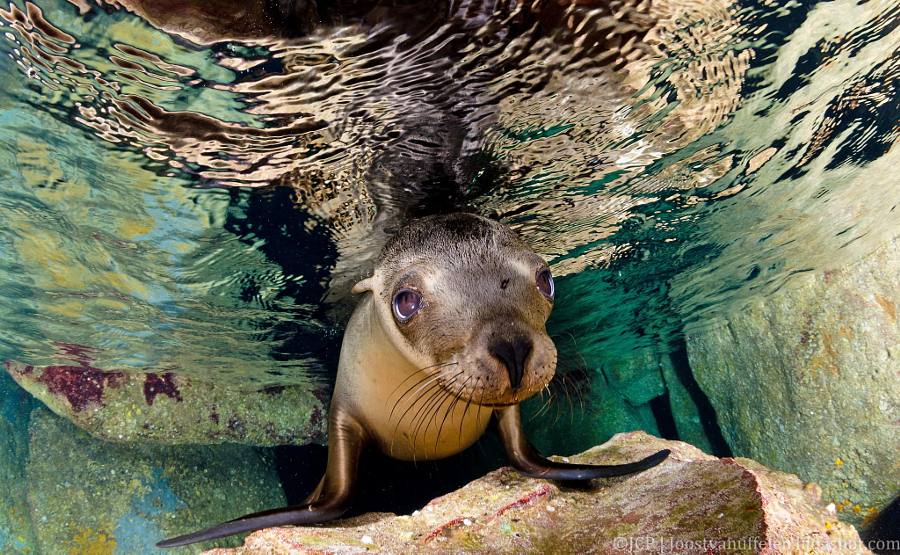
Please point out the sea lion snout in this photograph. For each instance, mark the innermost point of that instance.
(513, 354)
(508, 361)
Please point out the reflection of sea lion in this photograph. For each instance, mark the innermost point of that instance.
(448, 338)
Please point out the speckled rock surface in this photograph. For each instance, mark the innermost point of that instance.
(89, 496)
(169, 408)
(809, 381)
(16, 533)
(691, 503)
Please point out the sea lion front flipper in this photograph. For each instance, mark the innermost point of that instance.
(529, 462)
(331, 498)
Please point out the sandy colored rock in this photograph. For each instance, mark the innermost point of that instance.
(170, 408)
(691, 503)
(808, 381)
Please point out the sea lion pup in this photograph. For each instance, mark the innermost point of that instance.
(448, 338)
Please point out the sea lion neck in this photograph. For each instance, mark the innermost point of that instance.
(368, 344)
(405, 408)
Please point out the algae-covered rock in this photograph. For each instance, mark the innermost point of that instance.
(685, 412)
(808, 381)
(583, 412)
(92, 496)
(574, 420)
(16, 532)
(691, 503)
(170, 408)
(637, 378)
(618, 399)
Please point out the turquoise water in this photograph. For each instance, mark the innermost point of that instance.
(139, 169)
(202, 203)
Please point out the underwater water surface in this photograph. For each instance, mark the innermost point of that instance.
(174, 205)
(199, 198)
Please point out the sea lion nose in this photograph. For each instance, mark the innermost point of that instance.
(513, 355)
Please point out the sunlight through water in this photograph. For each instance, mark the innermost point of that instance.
(201, 197)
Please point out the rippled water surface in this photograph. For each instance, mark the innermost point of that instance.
(201, 196)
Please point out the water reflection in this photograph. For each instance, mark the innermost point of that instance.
(185, 185)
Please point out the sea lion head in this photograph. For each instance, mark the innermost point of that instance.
(465, 300)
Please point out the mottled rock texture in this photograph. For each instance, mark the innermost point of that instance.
(691, 503)
(16, 532)
(89, 496)
(683, 395)
(808, 381)
(173, 409)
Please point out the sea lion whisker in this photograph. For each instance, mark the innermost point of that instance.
(430, 406)
(568, 391)
(434, 405)
(443, 373)
(433, 392)
(429, 388)
(432, 388)
(451, 402)
(584, 363)
(562, 390)
(426, 384)
(541, 396)
(456, 398)
(480, 399)
(551, 396)
(546, 397)
(552, 391)
(427, 375)
(558, 416)
(462, 419)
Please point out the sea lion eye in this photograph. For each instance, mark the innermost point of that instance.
(544, 282)
(407, 303)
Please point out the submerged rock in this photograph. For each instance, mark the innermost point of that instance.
(16, 531)
(691, 503)
(808, 381)
(637, 378)
(94, 496)
(684, 396)
(174, 409)
(617, 398)
(572, 421)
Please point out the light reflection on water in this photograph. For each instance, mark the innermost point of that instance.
(185, 206)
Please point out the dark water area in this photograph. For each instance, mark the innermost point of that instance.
(195, 188)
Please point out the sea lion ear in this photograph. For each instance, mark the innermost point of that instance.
(363, 286)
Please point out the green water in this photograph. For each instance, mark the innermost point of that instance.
(142, 223)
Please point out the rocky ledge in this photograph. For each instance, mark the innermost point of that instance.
(691, 503)
(172, 408)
